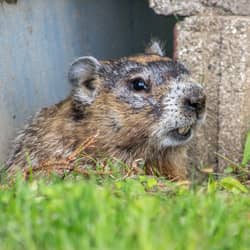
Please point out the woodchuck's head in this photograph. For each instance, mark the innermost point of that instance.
(142, 100)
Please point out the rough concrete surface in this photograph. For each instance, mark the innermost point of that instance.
(217, 50)
(194, 7)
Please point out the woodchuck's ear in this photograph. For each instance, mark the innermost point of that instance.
(155, 47)
(82, 73)
(82, 70)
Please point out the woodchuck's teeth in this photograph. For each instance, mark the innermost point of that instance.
(184, 131)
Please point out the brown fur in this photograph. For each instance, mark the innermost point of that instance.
(122, 125)
(142, 59)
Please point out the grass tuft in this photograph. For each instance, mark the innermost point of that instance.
(116, 207)
(134, 213)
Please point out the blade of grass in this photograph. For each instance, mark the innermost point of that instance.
(246, 155)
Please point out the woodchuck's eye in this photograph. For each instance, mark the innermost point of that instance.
(139, 84)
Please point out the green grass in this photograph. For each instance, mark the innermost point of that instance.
(77, 213)
(136, 212)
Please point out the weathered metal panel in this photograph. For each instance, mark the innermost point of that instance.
(38, 39)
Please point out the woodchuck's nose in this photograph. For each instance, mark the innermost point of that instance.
(195, 100)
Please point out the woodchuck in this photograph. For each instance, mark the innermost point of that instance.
(137, 107)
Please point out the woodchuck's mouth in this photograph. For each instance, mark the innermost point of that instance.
(181, 134)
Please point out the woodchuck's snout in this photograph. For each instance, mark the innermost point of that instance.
(144, 106)
(195, 101)
(184, 109)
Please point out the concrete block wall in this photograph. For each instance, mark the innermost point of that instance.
(214, 42)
